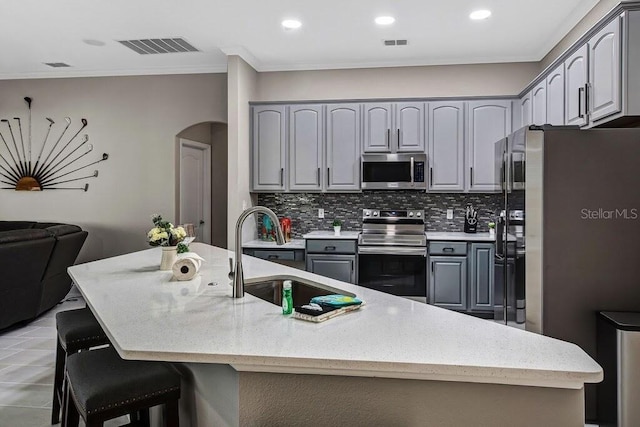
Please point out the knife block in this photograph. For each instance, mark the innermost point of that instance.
(470, 228)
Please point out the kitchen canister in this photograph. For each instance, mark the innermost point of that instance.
(187, 266)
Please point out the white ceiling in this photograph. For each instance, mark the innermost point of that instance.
(335, 33)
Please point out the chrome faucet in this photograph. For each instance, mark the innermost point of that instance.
(236, 274)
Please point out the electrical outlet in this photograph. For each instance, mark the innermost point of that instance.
(320, 213)
(449, 213)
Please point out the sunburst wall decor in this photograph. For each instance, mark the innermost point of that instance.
(54, 165)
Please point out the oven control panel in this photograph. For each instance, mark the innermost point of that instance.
(393, 214)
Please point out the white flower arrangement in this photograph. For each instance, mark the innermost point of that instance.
(164, 233)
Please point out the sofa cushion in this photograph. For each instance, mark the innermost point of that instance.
(22, 235)
(15, 225)
(61, 229)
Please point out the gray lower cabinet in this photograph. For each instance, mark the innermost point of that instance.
(448, 282)
(339, 267)
(289, 257)
(481, 276)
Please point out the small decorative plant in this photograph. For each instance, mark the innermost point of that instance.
(337, 223)
(492, 225)
(165, 234)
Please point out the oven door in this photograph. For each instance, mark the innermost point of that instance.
(400, 271)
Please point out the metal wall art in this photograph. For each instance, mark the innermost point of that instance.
(54, 165)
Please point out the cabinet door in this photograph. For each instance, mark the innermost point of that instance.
(526, 110)
(481, 277)
(448, 282)
(306, 127)
(575, 76)
(339, 267)
(343, 147)
(446, 146)
(555, 96)
(539, 103)
(488, 121)
(269, 137)
(377, 128)
(409, 126)
(603, 94)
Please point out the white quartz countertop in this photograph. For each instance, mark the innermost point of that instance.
(461, 236)
(149, 316)
(322, 234)
(262, 244)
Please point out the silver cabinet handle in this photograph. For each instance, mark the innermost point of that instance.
(580, 91)
(281, 177)
(388, 138)
(399, 139)
(472, 177)
(430, 176)
(318, 180)
(328, 177)
(586, 98)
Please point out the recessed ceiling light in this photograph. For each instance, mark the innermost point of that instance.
(291, 24)
(92, 42)
(385, 20)
(477, 15)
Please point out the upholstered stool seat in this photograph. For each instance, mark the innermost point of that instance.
(77, 330)
(102, 386)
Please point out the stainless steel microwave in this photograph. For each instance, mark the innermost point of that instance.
(393, 171)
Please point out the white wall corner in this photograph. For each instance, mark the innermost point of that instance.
(243, 53)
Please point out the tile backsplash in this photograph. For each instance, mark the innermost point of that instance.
(302, 208)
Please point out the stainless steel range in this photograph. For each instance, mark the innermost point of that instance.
(392, 252)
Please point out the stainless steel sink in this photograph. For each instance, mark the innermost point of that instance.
(302, 291)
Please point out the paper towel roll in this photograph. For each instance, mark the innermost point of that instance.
(187, 266)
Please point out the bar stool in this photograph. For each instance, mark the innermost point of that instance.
(77, 330)
(102, 386)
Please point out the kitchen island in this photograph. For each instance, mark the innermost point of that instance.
(393, 362)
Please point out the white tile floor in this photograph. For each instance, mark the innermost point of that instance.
(27, 361)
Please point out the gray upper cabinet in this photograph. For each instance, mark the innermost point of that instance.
(446, 146)
(268, 151)
(306, 136)
(603, 93)
(576, 69)
(391, 128)
(555, 96)
(526, 110)
(409, 127)
(448, 282)
(377, 128)
(343, 147)
(488, 121)
(539, 104)
(481, 276)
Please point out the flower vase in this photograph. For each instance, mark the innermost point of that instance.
(336, 231)
(492, 232)
(169, 256)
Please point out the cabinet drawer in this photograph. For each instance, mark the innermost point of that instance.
(331, 246)
(275, 255)
(448, 248)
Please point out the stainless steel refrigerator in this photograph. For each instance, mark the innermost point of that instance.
(580, 192)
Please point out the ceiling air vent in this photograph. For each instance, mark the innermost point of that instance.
(395, 42)
(153, 46)
(57, 64)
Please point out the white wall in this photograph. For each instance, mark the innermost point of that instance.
(242, 88)
(134, 120)
(398, 82)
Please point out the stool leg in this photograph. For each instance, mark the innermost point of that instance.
(57, 383)
(70, 416)
(171, 414)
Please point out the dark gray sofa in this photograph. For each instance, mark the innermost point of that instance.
(33, 267)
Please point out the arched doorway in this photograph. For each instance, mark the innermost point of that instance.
(201, 151)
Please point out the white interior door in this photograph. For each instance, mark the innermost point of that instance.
(195, 187)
